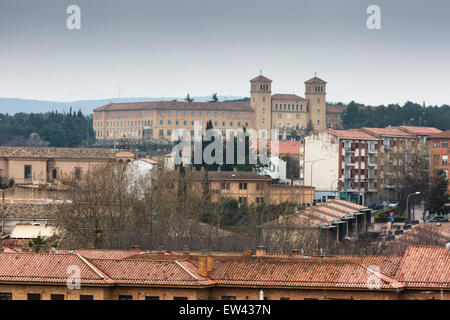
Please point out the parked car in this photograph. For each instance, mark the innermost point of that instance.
(436, 219)
(393, 205)
(375, 206)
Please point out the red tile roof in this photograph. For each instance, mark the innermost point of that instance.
(420, 131)
(352, 134)
(282, 96)
(287, 147)
(50, 268)
(303, 272)
(177, 105)
(56, 153)
(315, 80)
(443, 134)
(425, 267)
(150, 272)
(387, 132)
(260, 78)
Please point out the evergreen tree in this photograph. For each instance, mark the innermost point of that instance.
(214, 98)
(438, 195)
(188, 98)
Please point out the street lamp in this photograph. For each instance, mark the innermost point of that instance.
(407, 206)
(312, 163)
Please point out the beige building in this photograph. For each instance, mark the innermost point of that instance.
(42, 165)
(159, 119)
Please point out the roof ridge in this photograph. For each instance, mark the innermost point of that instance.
(96, 269)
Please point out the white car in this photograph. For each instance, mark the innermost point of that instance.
(393, 205)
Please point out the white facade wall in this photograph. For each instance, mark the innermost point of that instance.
(276, 169)
(322, 145)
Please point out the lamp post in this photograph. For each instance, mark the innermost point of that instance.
(312, 163)
(331, 187)
(407, 204)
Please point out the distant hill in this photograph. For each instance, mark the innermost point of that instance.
(13, 106)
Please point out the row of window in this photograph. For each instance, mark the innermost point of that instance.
(216, 123)
(288, 107)
(437, 144)
(208, 113)
(37, 296)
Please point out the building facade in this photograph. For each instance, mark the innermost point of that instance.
(440, 150)
(42, 165)
(160, 119)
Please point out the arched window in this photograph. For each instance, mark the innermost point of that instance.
(54, 173)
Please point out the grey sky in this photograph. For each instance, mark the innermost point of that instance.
(171, 47)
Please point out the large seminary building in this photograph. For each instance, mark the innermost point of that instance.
(159, 119)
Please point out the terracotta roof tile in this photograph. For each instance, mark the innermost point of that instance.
(443, 134)
(315, 80)
(260, 78)
(43, 267)
(420, 131)
(387, 132)
(425, 267)
(352, 134)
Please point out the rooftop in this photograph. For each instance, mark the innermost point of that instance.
(315, 80)
(443, 134)
(420, 131)
(388, 132)
(177, 105)
(56, 153)
(282, 96)
(260, 78)
(352, 134)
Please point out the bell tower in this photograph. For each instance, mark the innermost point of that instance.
(315, 95)
(260, 101)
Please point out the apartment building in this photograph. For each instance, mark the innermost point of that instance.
(173, 275)
(342, 164)
(440, 151)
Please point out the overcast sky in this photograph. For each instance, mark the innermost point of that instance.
(171, 47)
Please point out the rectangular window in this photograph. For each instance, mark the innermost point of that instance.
(34, 296)
(86, 297)
(243, 185)
(436, 144)
(180, 298)
(5, 296)
(152, 298)
(125, 297)
(27, 172)
(445, 159)
(228, 297)
(56, 297)
(445, 144)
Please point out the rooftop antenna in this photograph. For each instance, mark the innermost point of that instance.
(260, 72)
(315, 74)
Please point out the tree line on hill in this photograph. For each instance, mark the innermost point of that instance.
(52, 129)
(414, 114)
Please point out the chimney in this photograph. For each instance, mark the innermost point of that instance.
(203, 264)
(202, 169)
(247, 253)
(219, 169)
(253, 170)
(135, 248)
(261, 251)
(234, 169)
